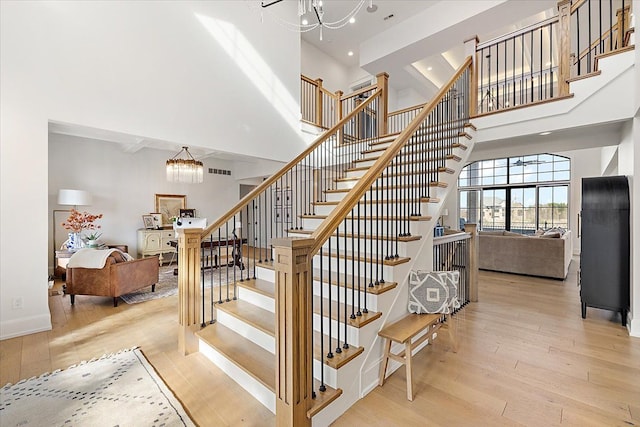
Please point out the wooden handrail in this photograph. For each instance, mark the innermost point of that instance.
(358, 92)
(273, 178)
(329, 225)
(516, 33)
(575, 6)
(308, 80)
(596, 43)
(405, 110)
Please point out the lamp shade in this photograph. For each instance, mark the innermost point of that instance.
(445, 212)
(74, 197)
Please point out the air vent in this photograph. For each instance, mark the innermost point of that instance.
(219, 171)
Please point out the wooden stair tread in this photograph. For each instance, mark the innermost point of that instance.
(250, 357)
(358, 322)
(375, 147)
(339, 359)
(322, 399)
(383, 201)
(373, 159)
(260, 286)
(350, 282)
(417, 172)
(253, 315)
(366, 237)
(408, 326)
(365, 258)
(373, 218)
(439, 184)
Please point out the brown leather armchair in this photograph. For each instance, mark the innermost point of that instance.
(117, 277)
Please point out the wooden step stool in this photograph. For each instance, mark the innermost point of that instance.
(403, 331)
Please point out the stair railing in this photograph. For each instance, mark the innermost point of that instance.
(535, 64)
(456, 252)
(317, 105)
(596, 27)
(348, 254)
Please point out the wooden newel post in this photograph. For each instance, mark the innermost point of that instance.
(294, 329)
(383, 109)
(623, 25)
(472, 229)
(338, 109)
(319, 101)
(564, 67)
(470, 50)
(189, 298)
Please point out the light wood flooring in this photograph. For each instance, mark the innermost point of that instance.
(525, 357)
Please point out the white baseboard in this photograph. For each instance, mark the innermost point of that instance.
(633, 325)
(25, 326)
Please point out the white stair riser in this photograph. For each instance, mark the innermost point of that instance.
(410, 157)
(418, 179)
(364, 227)
(383, 194)
(378, 209)
(246, 330)
(246, 381)
(392, 170)
(266, 274)
(384, 247)
(416, 149)
(258, 299)
(386, 271)
(370, 299)
(352, 333)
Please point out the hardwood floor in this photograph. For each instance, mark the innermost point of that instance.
(525, 357)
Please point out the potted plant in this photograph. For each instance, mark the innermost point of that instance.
(92, 239)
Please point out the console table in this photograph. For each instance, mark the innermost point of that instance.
(214, 246)
(155, 242)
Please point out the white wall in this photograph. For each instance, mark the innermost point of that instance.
(123, 185)
(205, 74)
(627, 163)
(317, 64)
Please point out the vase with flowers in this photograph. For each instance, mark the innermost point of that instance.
(76, 223)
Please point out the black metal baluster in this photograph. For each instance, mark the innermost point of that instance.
(330, 354)
(218, 265)
(338, 349)
(255, 237)
(322, 386)
(359, 260)
(346, 344)
(353, 262)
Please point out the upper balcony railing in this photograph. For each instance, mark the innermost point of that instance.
(536, 63)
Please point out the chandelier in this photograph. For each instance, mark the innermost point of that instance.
(187, 170)
(316, 9)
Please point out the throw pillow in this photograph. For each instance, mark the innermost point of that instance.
(433, 292)
(551, 235)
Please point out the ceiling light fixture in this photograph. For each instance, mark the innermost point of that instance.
(544, 133)
(316, 9)
(350, 53)
(352, 20)
(429, 68)
(187, 170)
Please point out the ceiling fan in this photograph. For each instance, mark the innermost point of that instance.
(521, 162)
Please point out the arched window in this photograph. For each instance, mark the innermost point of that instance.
(519, 194)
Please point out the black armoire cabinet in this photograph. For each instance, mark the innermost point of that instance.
(604, 246)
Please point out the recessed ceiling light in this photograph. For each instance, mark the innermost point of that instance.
(352, 20)
(544, 133)
(305, 22)
(429, 68)
(350, 53)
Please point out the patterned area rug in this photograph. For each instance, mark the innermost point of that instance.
(168, 284)
(119, 389)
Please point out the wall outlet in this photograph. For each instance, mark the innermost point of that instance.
(17, 303)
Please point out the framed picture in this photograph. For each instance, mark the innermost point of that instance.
(157, 220)
(148, 222)
(169, 205)
(187, 213)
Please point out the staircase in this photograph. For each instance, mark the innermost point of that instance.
(330, 241)
(370, 204)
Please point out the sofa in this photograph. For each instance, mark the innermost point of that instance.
(544, 255)
(119, 275)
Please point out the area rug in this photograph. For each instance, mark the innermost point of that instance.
(168, 284)
(119, 389)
